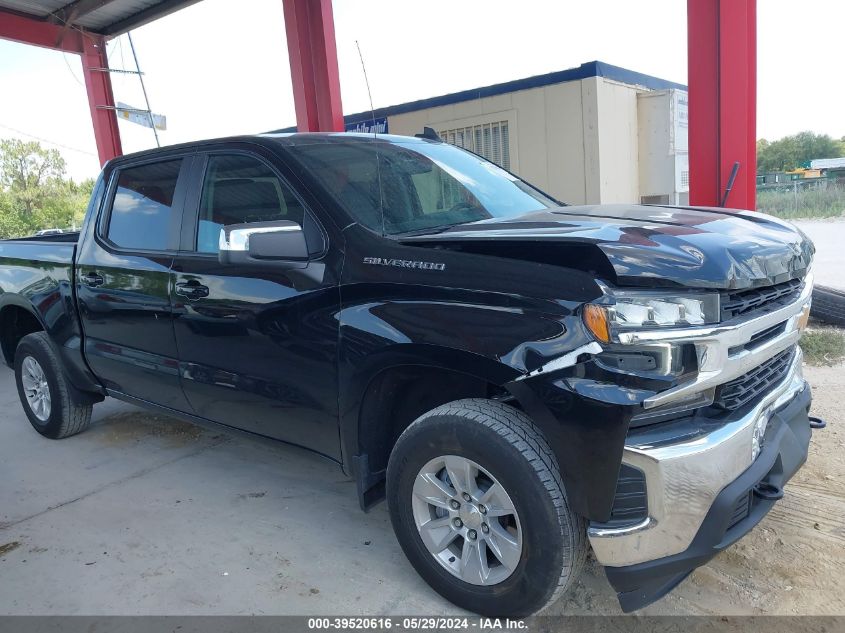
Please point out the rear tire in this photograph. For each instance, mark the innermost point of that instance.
(828, 305)
(45, 393)
(497, 445)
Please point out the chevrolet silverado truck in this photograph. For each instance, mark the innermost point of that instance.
(522, 380)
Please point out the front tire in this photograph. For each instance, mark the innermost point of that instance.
(44, 391)
(478, 506)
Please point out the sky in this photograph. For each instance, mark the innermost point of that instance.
(220, 67)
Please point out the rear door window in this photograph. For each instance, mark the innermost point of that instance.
(142, 214)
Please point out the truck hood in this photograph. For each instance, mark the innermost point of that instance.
(635, 245)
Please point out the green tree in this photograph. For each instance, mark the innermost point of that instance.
(11, 223)
(790, 152)
(34, 193)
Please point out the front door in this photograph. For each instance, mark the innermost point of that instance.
(257, 345)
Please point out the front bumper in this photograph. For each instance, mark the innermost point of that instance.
(694, 487)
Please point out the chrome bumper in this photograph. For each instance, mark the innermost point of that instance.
(683, 478)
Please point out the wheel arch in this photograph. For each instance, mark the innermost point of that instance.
(17, 319)
(392, 389)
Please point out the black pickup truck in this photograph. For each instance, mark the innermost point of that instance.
(521, 379)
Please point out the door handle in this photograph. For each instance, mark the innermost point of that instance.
(191, 289)
(93, 279)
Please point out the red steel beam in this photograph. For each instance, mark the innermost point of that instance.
(722, 58)
(101, 98)
(309, 25)
(27, 30)
(92, 49)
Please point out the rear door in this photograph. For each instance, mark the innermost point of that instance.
(257, 344)
(123, 280)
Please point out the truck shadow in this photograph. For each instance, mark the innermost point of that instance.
(295, 495)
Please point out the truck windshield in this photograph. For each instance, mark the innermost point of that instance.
(418, 185)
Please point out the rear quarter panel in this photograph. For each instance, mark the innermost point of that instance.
(37, 276)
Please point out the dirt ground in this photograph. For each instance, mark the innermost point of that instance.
(792, 563)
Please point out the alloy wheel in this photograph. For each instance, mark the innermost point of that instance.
(467, 520)
(36, 388)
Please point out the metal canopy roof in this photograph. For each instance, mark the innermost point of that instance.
(105, 17)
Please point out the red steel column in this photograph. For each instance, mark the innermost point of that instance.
(309, 25)
(98, 86)
(722, 58)
(92, 49)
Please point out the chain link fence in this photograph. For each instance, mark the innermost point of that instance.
(803, 198)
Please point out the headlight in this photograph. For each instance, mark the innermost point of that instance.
(629, 310)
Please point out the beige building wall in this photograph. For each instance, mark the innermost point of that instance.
(576, 140)
(618, 150)
(664, 148)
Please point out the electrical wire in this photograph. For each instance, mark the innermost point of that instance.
(83, 32)
(67, 63)
(70, 70)
(46, 140)
(120, 44)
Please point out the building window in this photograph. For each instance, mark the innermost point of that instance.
(489, 140)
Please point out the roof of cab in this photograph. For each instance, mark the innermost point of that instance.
(271, 139)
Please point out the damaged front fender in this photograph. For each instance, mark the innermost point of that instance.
(585, 420)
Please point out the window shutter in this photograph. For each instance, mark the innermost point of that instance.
(490, 140)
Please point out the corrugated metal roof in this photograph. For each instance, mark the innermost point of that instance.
(112, 12)
(41, 8)
(107, 17)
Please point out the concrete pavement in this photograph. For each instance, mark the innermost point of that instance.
(143, 514)
(829, 238)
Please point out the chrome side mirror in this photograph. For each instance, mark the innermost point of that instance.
(263, 242)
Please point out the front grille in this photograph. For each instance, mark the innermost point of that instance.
(740, 391)
(744, 302)
(758, 339)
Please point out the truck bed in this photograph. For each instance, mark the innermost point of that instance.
(51, 239)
